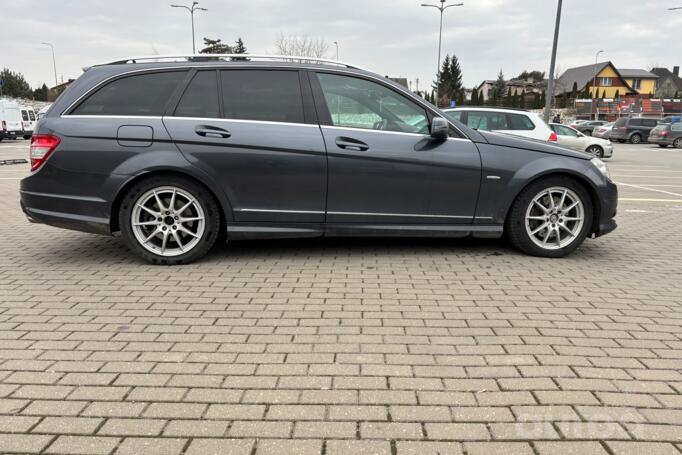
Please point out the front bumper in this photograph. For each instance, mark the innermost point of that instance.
(608, 198)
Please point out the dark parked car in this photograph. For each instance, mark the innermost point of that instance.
(174, 154)
(633, 130)
(588, 128)
(667, 134)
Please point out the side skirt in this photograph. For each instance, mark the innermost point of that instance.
(239, 231)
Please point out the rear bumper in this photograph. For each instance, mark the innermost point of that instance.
(660, 140)
(12, 134)
(65, 220)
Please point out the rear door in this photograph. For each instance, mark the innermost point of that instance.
(253, 131)
(384, 168)
(648, 124)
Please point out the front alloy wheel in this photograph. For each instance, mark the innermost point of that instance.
(596, 151)
(550, 218)
(169, 220)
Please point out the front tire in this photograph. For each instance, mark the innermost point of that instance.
(596, 151)
(678, 143)
(636, 139)
(169, 220)
(550, 218)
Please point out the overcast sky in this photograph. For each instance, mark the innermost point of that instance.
(390, 37)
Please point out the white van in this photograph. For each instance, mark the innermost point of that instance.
(10, 119)
(28, 120)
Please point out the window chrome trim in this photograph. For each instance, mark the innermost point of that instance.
(234, 120)
(154, 117)
(425, 136)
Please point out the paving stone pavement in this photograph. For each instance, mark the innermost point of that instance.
(363, 346)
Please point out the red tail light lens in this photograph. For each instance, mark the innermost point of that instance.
(42, 146)
(552, 137)
(664, 133)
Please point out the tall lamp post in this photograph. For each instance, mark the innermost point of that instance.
(552, 65)
(336, 43)
(191, 10)
(442, 7)
(594, 82)
(54, 62)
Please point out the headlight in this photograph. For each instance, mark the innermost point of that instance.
(601, 166)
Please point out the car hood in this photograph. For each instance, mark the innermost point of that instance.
(507, 140)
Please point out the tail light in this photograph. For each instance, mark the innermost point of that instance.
(552, 137)
(664, 133)
(42, 146)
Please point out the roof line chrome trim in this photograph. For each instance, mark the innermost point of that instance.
(260, 122)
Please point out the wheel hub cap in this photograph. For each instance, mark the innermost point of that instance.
(554, 218)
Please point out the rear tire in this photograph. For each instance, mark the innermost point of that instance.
(622, 141)
(636, 139)
(552, 228)
(662, 145)
(169, 220)
(596, 151)
(678, 143)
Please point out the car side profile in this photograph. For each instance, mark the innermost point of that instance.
(574, 139)
(632, 130)
(518, 122)
(175, 152)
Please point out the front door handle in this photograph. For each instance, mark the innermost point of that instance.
(348, 143)
(212, 131)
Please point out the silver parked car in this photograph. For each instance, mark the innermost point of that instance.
(574, 139)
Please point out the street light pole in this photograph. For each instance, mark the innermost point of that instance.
(336, 43)
(550, 80)
(442, 7)
(54, 63)
(191, 10)
(594, 82)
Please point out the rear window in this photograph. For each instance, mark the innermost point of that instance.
(520, 122)
(676, 126)
(140, 95)
(620, 122)
(31, 115)
(201, 97)
(273, 96)
(24, 116)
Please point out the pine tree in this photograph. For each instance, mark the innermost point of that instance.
(574, 91)
(522, 101)
(617, 95)
(536, 101)
(474, 97)
(508, 99)
(40, 94)
(239, 48)
(215, 46)
(543, 100)
(14, 84)
(498, 90)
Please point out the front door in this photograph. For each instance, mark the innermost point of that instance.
(383, 166)
(257, 139)
(568, 137)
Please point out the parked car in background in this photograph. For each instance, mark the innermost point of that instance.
(588, 127)
(10, 120)
(174, 155)
(667, 134)
(633, 130)
(518, 122)
(603, 132)
(28, 120)
(671, 119)
(575, 123)
(43, 111)
(574, 139)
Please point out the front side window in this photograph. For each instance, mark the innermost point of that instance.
(201, 97)
(140, 95)
(358, 103)
(262, 95)
(564, 131)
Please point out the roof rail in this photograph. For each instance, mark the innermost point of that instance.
(204, 57)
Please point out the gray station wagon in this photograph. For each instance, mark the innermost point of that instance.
(176, 152)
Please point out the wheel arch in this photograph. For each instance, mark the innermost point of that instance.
(224, 206)
(581, 179)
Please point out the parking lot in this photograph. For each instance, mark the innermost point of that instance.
(338, 346)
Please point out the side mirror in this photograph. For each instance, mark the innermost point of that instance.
(440, 128)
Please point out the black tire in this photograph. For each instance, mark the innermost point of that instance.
(622, 141)
(27, 137)
(515, 226)
(636, 139)
(678, 143)
(203, 197)
(596, 151)
(662, 145)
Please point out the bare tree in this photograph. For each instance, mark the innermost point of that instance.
(301, 46)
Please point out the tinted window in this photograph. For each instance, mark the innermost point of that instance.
(455, 115)
(650, 122)
(620, 122)
(273, 96)
(487, 121)
(564, 131)
(676, 127)
(635, 122)
(201, 97)
(358, 103)
(32, 115)
(521, 122)
(144, 94)
(24, 116)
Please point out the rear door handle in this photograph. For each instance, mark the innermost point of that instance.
(212, 131)
(348, 143)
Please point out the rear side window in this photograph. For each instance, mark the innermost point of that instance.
(143, 94)
(636, 122)
(455, 115)
(32, 115)
(201, 97)
(676, 126)
(487, 121)
(521, 122)
(273, 96)
(650, 122)
(620, 122)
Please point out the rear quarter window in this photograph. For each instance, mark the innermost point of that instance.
(620, 122)
(636, 122)
(520, 122)
(139, 95)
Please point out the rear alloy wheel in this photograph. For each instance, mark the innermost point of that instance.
(596, 151)
(550, 218)
(678, 143)
(169, 220)
(635, 139)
